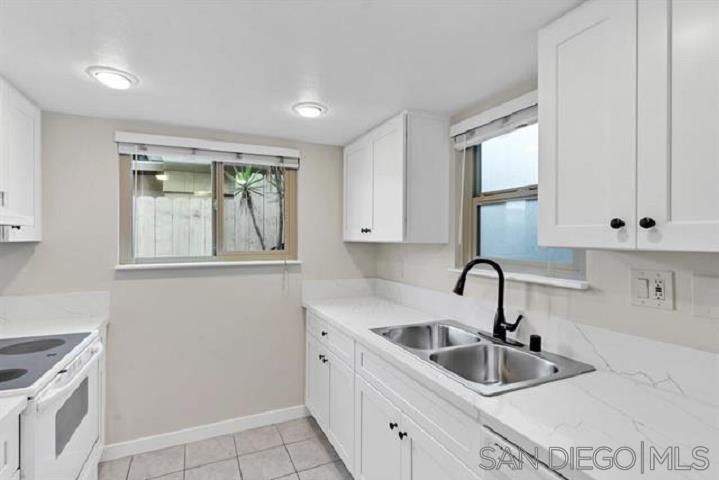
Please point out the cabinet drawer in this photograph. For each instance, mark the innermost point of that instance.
(494, 446)
(9, 447)
(451, 427)
(341, 345)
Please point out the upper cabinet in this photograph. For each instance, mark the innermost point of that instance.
(678, 128)
(629, 142)
(396, 182)
(20, 187)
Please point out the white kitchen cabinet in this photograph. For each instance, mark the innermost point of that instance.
(629, 142)
(378, 448)
(357, 189)
(678, 131)
(587, 115)
(341, 408)
(396, 182)
(329, 386)
(317, 396)
(20, 188)
(423, 458)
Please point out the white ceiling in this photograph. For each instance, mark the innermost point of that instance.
(240, 65)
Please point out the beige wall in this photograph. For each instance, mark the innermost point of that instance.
(607, 304)
(186, 347)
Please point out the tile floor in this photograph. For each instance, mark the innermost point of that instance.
(294, 450)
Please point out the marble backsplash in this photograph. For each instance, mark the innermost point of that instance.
(22, 315)
(678, 369)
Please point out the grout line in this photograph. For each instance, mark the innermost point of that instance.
(129, 466)
(237, 456)
(290, 457)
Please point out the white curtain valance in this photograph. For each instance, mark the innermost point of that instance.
(191, 150)
(496, 127)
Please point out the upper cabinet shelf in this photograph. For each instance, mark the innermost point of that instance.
(629, 138)
(20, 194)
(396, 182)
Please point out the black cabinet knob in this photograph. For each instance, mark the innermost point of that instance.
(324, 360)
(322, 357)
(323, 333)
(365, 230)
(647, 223)
(402, 435)
(393, 425)
(617, 223)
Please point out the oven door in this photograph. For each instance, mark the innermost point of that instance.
(67, 421)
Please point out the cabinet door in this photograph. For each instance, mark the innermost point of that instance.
(678, 148)
(317, 383)
(341, 409)
(377, 444)
(19, 160)
(388, 166)
(425, 459)
(358, 190)
(587, 117)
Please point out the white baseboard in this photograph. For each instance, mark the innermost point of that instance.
(202, 432)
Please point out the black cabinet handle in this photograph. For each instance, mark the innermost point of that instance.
(647, 223)
(323, 333)
(322, 358)
(392, 425)
(365, 230)
(402, 435)
(617, 223)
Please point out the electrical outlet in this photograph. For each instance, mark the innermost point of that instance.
(652, 288)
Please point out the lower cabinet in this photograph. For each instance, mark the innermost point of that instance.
(425, 459)
(317, 396)
(330, 397)
(378, 451)
(342, 405)
(390, 446)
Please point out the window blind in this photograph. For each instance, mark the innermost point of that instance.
(495, 128)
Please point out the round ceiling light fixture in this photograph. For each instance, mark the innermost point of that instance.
(112, 77)
(309, 109)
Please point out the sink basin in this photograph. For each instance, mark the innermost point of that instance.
(11, 374)
(493, 364)
(479, 361)
(429, 336)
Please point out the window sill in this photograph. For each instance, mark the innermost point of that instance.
(170, 266)
(569, 283)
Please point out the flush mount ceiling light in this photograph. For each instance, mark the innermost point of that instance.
(112, 77)
(309, 109)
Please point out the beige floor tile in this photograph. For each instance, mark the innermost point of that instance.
(266, 465)
(114, 469)
(209, 451)
(311, 453)
(331, 471)
(172, 476)
(225, 470)
(299, 429)
(257, 439)
(157, 463)
(289, 477)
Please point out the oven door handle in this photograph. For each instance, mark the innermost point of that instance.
(50, 395)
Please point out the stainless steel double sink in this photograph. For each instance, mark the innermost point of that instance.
(479, 361)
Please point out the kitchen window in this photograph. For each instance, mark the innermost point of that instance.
(500, 201)
(184, 205)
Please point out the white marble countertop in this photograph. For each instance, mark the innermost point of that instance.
(598, 409)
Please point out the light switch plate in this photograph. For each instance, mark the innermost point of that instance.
(653, 288)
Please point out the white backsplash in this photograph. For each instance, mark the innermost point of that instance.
(22, 315)
(686, 371)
